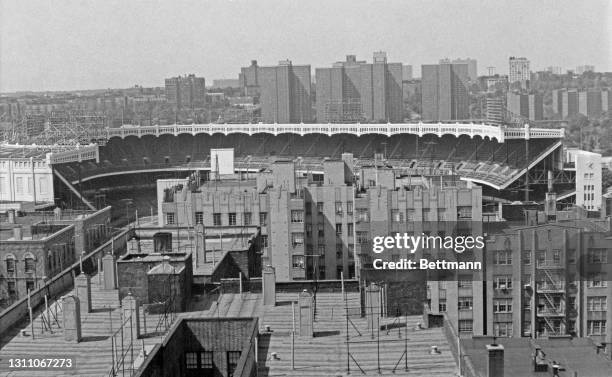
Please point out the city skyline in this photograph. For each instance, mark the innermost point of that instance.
(101, 45)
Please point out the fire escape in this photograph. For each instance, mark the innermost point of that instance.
(550, 297)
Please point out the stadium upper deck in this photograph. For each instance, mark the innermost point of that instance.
(486, 154)
(440, 128)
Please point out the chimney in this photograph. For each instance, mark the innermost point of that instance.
(495, 360)
(17, 233)
(550, 181)
(57, 213)
(11, 216)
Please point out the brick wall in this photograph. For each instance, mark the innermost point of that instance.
(60, 284)
(51, 254)
(217, 335)
(132, 276)
(405, 291)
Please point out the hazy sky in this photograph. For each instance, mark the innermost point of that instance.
(87, 44)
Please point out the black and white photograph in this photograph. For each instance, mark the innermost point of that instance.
(305, 188)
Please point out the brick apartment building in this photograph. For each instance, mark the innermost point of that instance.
(541, 280)
(36, 247)
(319, 226)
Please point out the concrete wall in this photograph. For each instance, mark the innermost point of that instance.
(20, 181)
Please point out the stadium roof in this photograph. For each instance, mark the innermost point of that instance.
(499, 133)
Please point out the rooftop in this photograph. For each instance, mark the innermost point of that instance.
(325, 353)
(93, 355)
(23, 151)
(574, 355)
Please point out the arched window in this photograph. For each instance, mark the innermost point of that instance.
(9, 260)
(29, 262)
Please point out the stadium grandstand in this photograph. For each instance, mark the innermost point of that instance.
(510, 163)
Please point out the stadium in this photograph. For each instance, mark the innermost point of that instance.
(510, 163)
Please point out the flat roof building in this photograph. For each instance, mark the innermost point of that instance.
(444, 92)
(354, 91)
(36, 247)
(186, 91)
(285, 93)
(518, 70)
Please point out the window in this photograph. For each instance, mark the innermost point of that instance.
(297, 238)
(466, 325)
(464, 213)
(264, 240)
(231, 218)
(319, 206)
(464, 303)
(170, 218)
(338, 229)
(308, 230)
(363, 214)
(199, 218)
(232, 362)
(297, 216)
(465, 281)
(363, 237)
(11, 288)
(321, 249)
(263, 218)
(247, 218)
(308, 207)
(571, 303)
(503, 282)
(349, 208)
(191, 360)
(320, 230)
(597, 256)
(502, 305)
(571, 326)
(541, 257)
(29, 264)
(10, 265)
(571, 256)
(217, 219)
(596, 304)
(503, 257)
(527, 257)
(349, 229)
(42, 185)
(298, 261)
(339, 250)
(29, 285)
(597, 281)
(596, 327)
(396, 216)
(206, 360)
(442, 305)
(556, 256)
(502, 329)
(19, 184)
(410, 215)
(339, 208)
